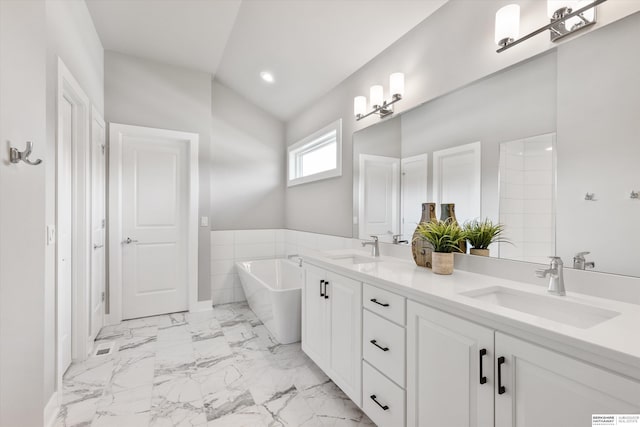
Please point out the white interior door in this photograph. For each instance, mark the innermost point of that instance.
(65, 230)
(457, 179)
(155, 222)
(98, 225)
(414, 192)
(379, 196)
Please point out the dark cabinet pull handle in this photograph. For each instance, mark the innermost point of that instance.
(384, 407)
(326, 292)
(321, 293)
(483, 379)
(374, 342)
(373, 300)
(501, 388)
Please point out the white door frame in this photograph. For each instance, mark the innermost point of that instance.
(115, 212)
(97, 121)
(69, 89)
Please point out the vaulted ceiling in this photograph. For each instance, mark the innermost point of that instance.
(309, 46)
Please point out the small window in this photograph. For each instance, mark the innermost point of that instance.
(316, 157)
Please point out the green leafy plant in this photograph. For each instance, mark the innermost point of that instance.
(444, 236)
(481, 234)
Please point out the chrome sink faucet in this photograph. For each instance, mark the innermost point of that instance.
(375, 246)
(397, 239)
(556, 278)
(580, 263)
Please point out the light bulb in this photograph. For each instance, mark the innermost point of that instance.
(359, 105)
(376, 96)
(396, 84)
(507, 24)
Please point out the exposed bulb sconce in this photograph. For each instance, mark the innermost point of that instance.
(566, 17)
(507, 24)
(378, 104)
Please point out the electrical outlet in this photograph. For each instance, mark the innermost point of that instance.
(204, 221)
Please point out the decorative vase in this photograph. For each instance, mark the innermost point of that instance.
(442, 263)
(420, 248)
(448, 211)
(479, 252)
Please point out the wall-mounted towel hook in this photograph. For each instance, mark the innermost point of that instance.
(15, 156)
(635, 194)
(591, 197)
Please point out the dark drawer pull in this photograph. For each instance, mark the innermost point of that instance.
(483, 379)
(321, 293)
(384, 407)
(379, 303)
(326, 291)
(374, 342)
(501, 388)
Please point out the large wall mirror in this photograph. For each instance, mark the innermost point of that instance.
(549, 147)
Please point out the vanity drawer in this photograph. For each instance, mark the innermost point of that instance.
(384, 303)
(383, 345)
(389, 411)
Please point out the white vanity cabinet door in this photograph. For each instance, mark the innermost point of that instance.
(544, 388)
(444, 359)
(345, 298)
(315, 317)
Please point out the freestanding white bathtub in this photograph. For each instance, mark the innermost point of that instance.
(273, 288)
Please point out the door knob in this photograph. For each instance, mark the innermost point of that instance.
(129, 241)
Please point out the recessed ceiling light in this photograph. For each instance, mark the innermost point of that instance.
(549, 148)
(267, 76)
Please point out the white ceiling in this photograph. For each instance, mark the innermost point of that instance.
(310, 46)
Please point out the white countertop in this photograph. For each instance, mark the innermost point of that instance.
(616, 339)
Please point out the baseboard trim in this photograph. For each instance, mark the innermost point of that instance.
(201, 306)
(51, 410)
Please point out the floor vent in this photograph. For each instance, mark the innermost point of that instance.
(103, 351)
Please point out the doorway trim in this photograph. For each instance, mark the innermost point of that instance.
(116, 132)
(68, 88)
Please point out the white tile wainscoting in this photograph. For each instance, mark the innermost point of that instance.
(236, 245)
(230, 246)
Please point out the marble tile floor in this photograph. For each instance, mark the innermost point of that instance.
(214, 368)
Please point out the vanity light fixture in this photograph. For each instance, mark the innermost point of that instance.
(379, 105)
(566, 17)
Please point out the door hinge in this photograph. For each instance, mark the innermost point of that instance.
(104, 222)
(103, 297)
(102, 148)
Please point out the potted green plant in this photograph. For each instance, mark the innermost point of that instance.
(445, 237)
(481, 234)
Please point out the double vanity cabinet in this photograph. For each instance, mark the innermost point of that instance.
(407, 362)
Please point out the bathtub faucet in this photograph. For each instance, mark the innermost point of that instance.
(296, 256)
(375, 246)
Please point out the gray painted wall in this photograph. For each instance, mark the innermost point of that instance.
(23, 42)
(248, 164)
(432, 68)
(72, 37)
(513, 104)
(147, 93)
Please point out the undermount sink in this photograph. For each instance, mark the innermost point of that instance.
(549, 307)
(354, 259)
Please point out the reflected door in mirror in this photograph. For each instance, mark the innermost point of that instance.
(379, 198)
